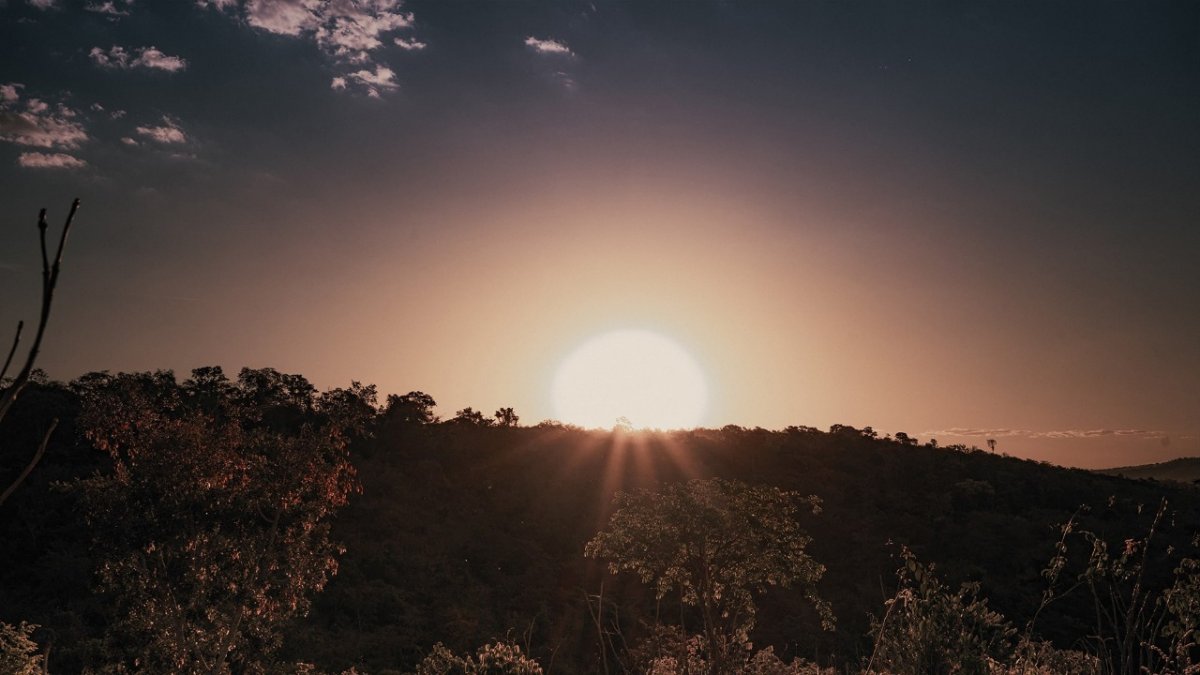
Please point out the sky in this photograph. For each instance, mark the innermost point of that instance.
(958, 220)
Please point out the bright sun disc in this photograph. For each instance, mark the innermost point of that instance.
(636, 374)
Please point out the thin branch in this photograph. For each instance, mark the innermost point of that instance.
(42, 227)
(12, 351)
(49, 280)
(37, 457)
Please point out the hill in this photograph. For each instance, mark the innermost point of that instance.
(465, 532)
(1182, 470)
(463, 535)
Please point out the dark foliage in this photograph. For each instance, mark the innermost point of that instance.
(467, 533)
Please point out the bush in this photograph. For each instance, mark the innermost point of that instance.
(498, 658)
(927, 629)
(18, 651)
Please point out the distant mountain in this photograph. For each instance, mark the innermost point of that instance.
(1182, 470)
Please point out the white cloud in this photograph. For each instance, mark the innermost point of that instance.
(382, 79)
(32, 122)
(410, 45)
(548, 46)
(348, 31)
(129, 141)
(9, 93)
(151, 57)
(353, 34)
(338, 83)
(285, 17)
(168, 132)
(147, 57)
(113, 58)
(44, 4)
(56, 160)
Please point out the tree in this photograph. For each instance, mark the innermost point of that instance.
(506, 417)
(472, 417)
(9, 393)
(281, 400)
(210, 531)
(354, 408)
(413, 408)
(716, 543)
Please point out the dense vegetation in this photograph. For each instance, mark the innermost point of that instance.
(197, 526)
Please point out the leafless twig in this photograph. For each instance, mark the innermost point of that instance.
(10, 393)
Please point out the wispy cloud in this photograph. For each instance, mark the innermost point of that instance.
(374, 82)
(168, 132)
(548, 46)
(108, 7)
(44, 4)
(410, 45)
(34, 122)
(114, 114)
(44, 160)
(967, 432)
(147, 57)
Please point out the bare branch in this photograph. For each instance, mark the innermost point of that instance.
(37, 457)
(13, 350)
(62, 240)
(42, 226)
(49, 280)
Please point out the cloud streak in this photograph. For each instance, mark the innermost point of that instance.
(548, 46)
(967, 432)
(151, 57)
(108, 7)
(409, 45)
(43, 160)
(167, 133)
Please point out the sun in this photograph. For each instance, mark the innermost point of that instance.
(636, 374)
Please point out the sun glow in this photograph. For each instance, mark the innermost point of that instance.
(635, 374)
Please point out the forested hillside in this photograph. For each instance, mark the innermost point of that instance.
(473, 529)
(1182, 470)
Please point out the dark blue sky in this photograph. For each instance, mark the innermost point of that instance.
(955, 219)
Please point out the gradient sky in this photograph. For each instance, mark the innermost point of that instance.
(959, 220)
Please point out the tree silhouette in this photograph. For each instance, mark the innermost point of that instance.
(413, 408)
(506, 417)
(472, 417)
